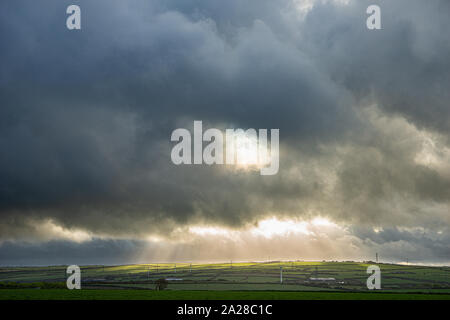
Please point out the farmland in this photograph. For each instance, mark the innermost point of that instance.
(307, 280)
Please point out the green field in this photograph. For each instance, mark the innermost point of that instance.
(64, 294)
(345, 280)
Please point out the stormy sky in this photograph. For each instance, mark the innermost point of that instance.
(86, 118)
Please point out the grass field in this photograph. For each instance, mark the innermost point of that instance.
(64, 294)
(237, 280)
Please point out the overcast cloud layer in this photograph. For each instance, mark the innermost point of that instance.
(86, 118)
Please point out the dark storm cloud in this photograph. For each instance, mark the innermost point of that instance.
(86, 116)
(86, 136)
(404, 68)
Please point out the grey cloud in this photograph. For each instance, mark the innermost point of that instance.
(403, 67)
(86, 116)
(99, 104)
(392, 245)
(66, 253)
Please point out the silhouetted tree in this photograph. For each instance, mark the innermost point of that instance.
(161, 284)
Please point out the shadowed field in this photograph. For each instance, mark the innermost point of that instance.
(64, 294)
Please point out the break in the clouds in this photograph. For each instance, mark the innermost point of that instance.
(86, 118)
